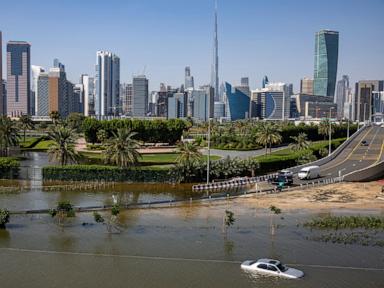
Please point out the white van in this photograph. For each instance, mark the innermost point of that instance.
(310, 172)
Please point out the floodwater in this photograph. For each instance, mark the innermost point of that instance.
(35, 196)
(168, 247)
(177, 247)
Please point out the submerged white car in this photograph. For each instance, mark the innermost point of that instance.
(272, 267)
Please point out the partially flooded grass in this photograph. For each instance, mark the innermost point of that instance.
(346, 222)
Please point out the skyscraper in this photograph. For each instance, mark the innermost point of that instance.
(140, 96)
(89, 94)
(58, 91)
(36, 70)
(42, 94)
(189, 82)
(342, 91)
(2, 110)
(364, 104)
(107, 84)
(326, 57)
(265, 81)
(18, 78)
(237, 103)
(215, 64)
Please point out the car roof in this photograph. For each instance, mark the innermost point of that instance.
(268, 261)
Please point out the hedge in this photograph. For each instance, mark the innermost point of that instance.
(9, 167)
(105, 173)
(153, 131)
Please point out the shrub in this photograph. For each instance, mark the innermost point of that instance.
(4, 218)
(98, 218)
(9, 167)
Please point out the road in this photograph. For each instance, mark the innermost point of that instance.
(240, 154)
(355, 156)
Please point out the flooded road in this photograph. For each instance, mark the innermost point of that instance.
(177, 247)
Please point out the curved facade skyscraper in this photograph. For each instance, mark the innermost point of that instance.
(326, 57)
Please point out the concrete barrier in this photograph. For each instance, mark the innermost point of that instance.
(371, 173)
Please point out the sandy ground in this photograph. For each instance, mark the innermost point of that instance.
(354, 196)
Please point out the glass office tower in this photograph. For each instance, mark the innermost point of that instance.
(326, 56)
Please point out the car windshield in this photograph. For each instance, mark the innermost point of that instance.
(282, 268)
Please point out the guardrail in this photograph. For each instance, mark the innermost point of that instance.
(370, 173)
(235, 182)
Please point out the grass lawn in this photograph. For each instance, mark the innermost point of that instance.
(43, 145)
(158, 158)
(28, 141)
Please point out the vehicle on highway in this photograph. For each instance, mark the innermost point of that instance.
(364, 143)
(283, 178)
(271, 267)
(310, 172)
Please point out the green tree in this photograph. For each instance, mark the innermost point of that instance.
(102, 135)
(121, 148)
(306, 157)
(274, 211)
(268, 134)
(188, 153)
(26, 123)
(9, 134)
(323, 128)
(55, 116)
(63, 147)
(75, 121)
(301, 142)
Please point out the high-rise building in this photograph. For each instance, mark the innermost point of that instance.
(89, 94)
(236, 103)
(107, 82)
(342, 91)
(326, 57)
(306, 86)
(364, 104)
(219, 110)
(126, 98)
(189, 82)
(2, 108)
(139, 96)
(244, 81)
(58, 91)
(36, 70)
(265, 81)
(42, 94)
(3, 99)
(77, 102)
(18, 78)
(177, 105)
(215, 64)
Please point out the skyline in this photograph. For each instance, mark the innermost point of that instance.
(180, 40)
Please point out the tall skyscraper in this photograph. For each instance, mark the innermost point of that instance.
(265, 81)
(58, 91)
(140, 96)
(18, 78)
(126, 98)
(89, 94)
(36, 70)
(342, 91)
(236, 104)
(326, 57)
(2, 108)
(189, 82)
(42, 94)
(107, 84)
(215, 64)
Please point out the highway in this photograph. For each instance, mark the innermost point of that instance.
(355, 156)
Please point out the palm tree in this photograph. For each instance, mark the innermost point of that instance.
(323, 128)
(63, 148)
(26, 123)
(188, 153)
(9, 134)
(268, 133)
(301, 142)
(121, 148)
(55, 116)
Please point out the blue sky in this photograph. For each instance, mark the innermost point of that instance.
(256, 38)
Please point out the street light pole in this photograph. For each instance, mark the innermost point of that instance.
(330, 132)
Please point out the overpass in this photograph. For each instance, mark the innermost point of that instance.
(353, 156)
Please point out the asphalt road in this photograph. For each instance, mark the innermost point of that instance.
(355, 156)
